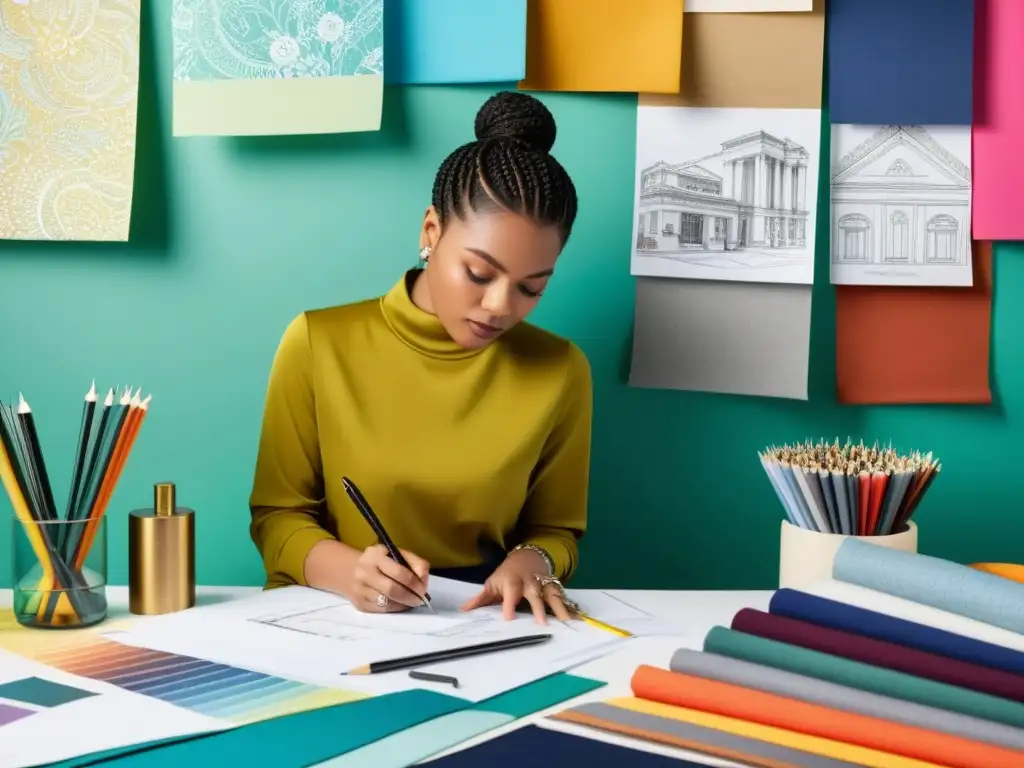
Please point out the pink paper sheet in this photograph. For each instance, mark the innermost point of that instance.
(998, 131)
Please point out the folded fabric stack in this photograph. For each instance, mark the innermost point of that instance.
(899, 660)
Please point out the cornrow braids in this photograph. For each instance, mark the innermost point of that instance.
(509, 166)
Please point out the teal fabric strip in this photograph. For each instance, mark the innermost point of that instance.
(292, 741)
(430, 738)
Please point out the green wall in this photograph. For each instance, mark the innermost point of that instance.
(231, 238)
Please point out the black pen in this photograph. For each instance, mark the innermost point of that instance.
(368, 514)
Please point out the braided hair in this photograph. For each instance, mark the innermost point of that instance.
(508, 167)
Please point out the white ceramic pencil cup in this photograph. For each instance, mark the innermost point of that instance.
(807, 556)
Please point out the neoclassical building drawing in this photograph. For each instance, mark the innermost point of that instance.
(751, 195)
(900, 199)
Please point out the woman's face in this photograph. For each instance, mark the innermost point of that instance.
(485, 273)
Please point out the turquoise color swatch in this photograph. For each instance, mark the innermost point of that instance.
(454, 41)
(41, 693)
(292, 741)
(254, 39)
(435, 736)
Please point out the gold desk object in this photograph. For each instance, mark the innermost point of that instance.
(161, 556)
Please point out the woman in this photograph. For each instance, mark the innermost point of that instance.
(467, 430)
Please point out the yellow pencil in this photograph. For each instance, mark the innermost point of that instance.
(586, 619)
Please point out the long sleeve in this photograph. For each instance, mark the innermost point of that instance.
(287, 493)
(555, 514)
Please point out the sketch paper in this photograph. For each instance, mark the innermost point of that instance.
(728, 337)
(900, 62)
(999, 122)
(454, 41)
(69, 83)
(309, 636)
(603, 45)
(726, 194)
(901, 205)
(262, 67)
(788, 49)
(943, 339)
(746, 6)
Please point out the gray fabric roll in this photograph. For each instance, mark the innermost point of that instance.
(697, 738)
(782, 683)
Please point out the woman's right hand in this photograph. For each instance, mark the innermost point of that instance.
(380, 585)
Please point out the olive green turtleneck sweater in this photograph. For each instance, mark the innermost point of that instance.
(448, 445)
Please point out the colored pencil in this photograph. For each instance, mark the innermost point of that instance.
(448, 654)
(62, 595)
(850, 489)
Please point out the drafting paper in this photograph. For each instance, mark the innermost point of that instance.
(998, 121)
(454, 41)
(711, 336)
(603, 45)
(901, 205)
(69, 85)
(746, 6)
(900, 61)
(726, 194)
(787, 48)
(916, 345)
(261, 67)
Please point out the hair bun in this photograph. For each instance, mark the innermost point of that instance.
(514, 115)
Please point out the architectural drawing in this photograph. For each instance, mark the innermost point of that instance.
(726, 194)
(901, 205)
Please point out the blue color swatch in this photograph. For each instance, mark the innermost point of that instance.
(893, 62)
(431, 42)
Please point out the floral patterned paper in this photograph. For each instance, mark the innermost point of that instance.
(252, 39)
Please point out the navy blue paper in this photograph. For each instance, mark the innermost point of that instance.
(532, 745)
(893, 62)
(860, 621)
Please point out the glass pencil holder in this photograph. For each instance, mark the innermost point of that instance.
(60, 573)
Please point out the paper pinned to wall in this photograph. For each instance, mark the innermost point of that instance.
(454, 41)
(998, 121)
(69, 84)
(788, 49)
(914, 344)
(746, 6)
(726, 194)
(900, 62)
(901, 205)
(727, 337)
(603, 45)
(266, 67)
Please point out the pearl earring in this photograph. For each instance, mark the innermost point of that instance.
(425, 252)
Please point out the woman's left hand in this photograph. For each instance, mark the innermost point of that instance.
(521, 576)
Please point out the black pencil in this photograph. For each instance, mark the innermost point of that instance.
(35, 452)
(84, 433)
(370, 516)
(436, 657)
(30, 486)
(94, 456)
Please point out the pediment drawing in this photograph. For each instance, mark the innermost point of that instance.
(902, 155)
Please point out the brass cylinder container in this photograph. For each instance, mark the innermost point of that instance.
(161, 556)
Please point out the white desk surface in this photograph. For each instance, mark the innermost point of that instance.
(694, 612)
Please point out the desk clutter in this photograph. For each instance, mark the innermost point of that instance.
(899, 659)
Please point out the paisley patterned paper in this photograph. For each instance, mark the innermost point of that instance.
(274, 40)
(69, 78)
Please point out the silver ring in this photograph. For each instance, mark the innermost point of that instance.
(382, 601)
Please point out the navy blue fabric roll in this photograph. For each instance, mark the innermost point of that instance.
(823, 612)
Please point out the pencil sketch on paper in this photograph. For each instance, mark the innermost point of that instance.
(901, 205)
(726, 194)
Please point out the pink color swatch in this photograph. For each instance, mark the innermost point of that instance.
(998, 131)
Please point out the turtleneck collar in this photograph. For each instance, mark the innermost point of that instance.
(417, 328)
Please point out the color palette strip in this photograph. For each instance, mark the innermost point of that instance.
(236, 695)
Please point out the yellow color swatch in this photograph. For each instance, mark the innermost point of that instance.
(69, 81)
(604, 45)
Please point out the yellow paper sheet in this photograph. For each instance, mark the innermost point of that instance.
(69, 81)
(604, 45)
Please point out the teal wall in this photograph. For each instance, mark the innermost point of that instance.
(231, 238)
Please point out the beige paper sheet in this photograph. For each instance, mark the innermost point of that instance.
(69, 82)
(261, 107)
(764, 60)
